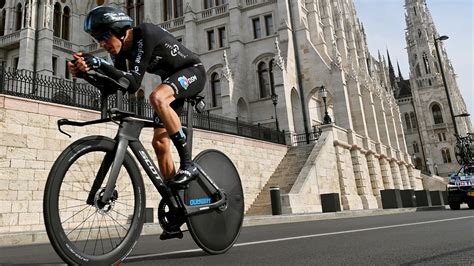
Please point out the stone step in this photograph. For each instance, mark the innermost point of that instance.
(284, 177)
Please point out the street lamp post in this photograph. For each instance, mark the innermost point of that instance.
(436, 40)
(275, 101)
(324, 94)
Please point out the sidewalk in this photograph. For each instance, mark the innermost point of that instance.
(38, 237)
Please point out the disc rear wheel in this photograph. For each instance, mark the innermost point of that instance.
(216, 231)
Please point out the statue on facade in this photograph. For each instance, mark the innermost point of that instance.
(226, 72)
(278, 58)
(47, 14)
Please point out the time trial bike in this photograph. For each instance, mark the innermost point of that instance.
(94, 199)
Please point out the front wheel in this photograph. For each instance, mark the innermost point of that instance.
(81, 228)
(216, 231)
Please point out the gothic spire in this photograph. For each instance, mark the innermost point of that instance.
(399, 72)
(391, 72)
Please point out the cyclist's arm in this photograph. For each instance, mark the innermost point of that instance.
(134, 78)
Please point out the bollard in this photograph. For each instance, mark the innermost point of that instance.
(275, 200)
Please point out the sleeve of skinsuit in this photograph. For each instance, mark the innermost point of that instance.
(138, 65)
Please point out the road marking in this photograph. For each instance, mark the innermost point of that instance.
(348, 231)
(301, 237)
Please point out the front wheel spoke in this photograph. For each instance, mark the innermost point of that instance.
(69, 197)
(119, 213)
(75, 214)
(82, 223)
(75, 206)
(88, 236)
(125, 204)
(72, 185)
(116, 222)
(116, 229)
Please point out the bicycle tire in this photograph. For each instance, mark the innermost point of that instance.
(65, 195)
(216, 231)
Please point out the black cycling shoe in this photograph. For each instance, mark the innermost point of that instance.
(169, 235)
(184, 175)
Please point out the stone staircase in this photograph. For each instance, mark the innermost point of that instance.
(284, 177)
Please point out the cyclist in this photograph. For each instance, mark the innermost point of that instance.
(148, 48)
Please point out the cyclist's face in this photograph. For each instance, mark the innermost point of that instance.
(109, 42)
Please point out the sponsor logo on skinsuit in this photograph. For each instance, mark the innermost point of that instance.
(185, 82)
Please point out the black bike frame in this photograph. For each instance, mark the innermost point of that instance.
(128, 136)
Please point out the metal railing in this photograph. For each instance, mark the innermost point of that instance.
(23, 83)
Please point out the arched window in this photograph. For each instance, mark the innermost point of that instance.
(446, 155)
(216, 90)
(407, 121)
(65, 23)
(19, 15)
(413, 120)
(2, 23)
(263, 80)
(437, 115)
(172, 9)
(57, 20)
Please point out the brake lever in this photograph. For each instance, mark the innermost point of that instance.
(60, 123)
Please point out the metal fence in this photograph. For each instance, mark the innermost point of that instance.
(23, 83)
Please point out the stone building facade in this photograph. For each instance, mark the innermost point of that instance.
(253, 50)
(423, 102)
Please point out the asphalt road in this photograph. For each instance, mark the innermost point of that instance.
(439, 237)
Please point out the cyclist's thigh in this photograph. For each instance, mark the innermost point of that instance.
(187, 82)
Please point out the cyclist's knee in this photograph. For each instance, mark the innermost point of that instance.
(162, 96)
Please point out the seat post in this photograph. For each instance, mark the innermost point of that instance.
(189, 125)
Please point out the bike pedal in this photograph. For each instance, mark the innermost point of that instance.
(170, 235)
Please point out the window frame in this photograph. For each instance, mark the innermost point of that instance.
(437, 114)
(216, 91)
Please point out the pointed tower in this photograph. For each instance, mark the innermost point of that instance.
(391, 72)
(430, 99)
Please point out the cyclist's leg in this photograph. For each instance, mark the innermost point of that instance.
(161, 145)
(178, 86)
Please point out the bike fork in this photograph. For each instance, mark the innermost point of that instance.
(120, 151)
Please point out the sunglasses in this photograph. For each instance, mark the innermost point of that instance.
(105, 36)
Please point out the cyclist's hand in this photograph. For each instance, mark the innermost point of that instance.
(79, 65)
(93, 62)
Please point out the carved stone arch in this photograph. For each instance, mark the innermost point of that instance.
(215, 68)
(319, 104)
(266, 57)
(437, 112)
(242, 110)
(298, 122)
(213, 93)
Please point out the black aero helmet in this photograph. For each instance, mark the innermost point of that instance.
(106, 18)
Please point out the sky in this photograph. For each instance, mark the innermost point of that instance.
(384, 24)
